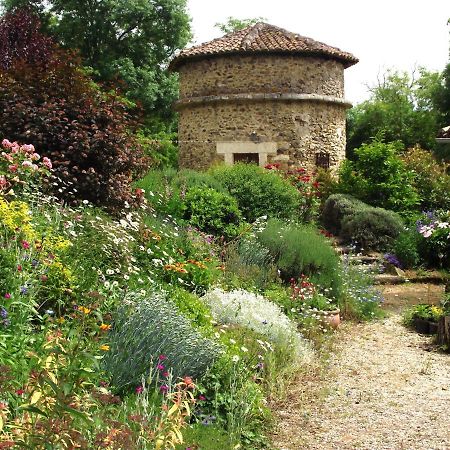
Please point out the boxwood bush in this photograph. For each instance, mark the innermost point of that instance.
(258, 192)
(336, 208)
(354, 220)
(212, 212)
(372, 228)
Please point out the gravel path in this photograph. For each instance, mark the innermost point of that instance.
(385, 388)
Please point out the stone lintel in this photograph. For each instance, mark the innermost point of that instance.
(228, 149)
(261, 97)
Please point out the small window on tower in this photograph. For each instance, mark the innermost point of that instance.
(247, 158)
(323, 160)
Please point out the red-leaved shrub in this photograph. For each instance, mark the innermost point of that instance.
(21, 40)
(87, 133)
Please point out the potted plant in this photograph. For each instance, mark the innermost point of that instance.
(424, 318)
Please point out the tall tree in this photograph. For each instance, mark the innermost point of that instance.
(129, 40)
(401, 108)
(234, 24)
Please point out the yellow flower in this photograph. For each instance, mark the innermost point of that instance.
(104, 347)
(84, 310)
(105, 327)
(61, 319)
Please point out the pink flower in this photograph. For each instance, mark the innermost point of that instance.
(15, 147)
(13, 168)
(47, 163)
(160, 367)
(7, 156)
(35, 157)
(28, 148)
(162, 357)
(139, 389)
(6, 143)
(25, 245)
(7, 295)
(164, 388)
(27, 163)
(19, 268)
(3, 181)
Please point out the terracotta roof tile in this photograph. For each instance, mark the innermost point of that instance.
(262, 38)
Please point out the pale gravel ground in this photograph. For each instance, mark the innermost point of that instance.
(385, 389)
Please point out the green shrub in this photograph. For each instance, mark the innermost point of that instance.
(258, 192)
(378, 176)
(300, 249)
(162, 148)
(165, 189)
(212, 212)
(193, 309)
(430, 179)
(372, 228)
(406, 249)
(337, 207)
(187, 179)
(422, 311)
(149, 326)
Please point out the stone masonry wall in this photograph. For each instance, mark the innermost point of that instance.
(294, 101)
(300, 129)
(261, 73)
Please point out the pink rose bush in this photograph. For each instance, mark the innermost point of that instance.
(20, 165)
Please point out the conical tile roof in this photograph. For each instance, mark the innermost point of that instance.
(262, 38)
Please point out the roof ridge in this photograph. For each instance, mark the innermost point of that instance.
(252, 34)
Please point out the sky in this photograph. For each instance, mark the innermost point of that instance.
(383, 34)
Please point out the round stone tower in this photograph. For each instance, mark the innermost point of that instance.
(262, 95)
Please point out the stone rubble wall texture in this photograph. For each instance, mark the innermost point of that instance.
(296, 101)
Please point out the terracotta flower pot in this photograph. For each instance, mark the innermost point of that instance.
(331, 318)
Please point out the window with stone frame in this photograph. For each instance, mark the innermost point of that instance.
(248, 158)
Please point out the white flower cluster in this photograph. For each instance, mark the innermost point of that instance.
(255, 312)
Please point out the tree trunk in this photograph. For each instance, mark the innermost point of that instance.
(443, 334)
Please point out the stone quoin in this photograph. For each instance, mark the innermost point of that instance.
(262, 95)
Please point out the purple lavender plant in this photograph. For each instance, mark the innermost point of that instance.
(392, 259)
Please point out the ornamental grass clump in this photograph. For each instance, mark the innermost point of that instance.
(147, 326)
(253, 311)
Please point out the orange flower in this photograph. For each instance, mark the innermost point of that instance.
(188, 382)
(105, 327)
(84, 310)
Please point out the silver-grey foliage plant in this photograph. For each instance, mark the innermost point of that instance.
(148, 326)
